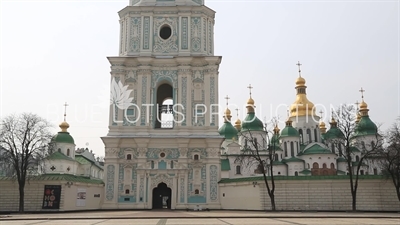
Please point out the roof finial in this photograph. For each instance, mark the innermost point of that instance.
(237, 112)
(250, 87)
(357, 104)
(227, 100)
(298, 64)
(321, 113)
(362, 93)
(65, 111)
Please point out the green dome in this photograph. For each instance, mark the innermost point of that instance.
(332, 133)
(289, 131)
(63, 137)
(252, 123)
(227, 130)
(365, 127)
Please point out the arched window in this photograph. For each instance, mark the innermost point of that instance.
(68, 152)
(308, 165)
(255, 141)
(361, 172)
(292, 149)
(237, 169)
(332, 166)
(127, 191)
(245, 143)
(196, 157)
(375, 171)
(129, 157)
(172, 164)
(333, 147)
(372, 144)
(315, 165)
(152, 164)
(324, 165)
(357, 158)
(285, 147)
(59, 150)
(196, 192)
(340, 150)
(296, 173)
(297, 147)
(301, 136)
(276, 157)
(315, 135)
(309, 135)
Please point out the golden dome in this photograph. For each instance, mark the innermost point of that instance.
(301, 106)
(300, 81)
(228, 114)
(250, 101)
(322, 127)
(358, 117)
(64, 126)
(276, 129)
(238, 124)
(250, 105)
(363, 105)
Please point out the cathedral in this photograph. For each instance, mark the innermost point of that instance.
(164, 147)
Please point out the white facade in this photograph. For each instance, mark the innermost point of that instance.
(162, 148)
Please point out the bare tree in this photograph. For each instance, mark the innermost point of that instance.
(260, 155)
(25, 140)
(356, 152)
(390, 156)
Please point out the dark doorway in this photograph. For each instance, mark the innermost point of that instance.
(162, 197)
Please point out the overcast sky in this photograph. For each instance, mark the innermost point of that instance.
(55, 51)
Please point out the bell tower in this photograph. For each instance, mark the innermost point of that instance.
(164, 104)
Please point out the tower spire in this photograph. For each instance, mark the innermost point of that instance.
(299, 65)
(250, 87)
(65, 111)
(227, 115)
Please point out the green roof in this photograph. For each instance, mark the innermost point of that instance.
(365, 127)
(252, 123)
(83, 160)
(289, 131)
(293, 159)
(305, 171)
(225, 166)
(227, 130)
(278, 163)
(341, 159)
(63, 137)
(61, 177)
(316, 149)
(333, 133)
(340, 172)
(59, 156)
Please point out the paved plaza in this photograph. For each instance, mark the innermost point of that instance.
(164, 217)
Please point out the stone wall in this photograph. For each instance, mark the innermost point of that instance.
(34, 193)
(312, 194)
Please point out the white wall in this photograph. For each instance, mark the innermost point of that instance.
(332, 194)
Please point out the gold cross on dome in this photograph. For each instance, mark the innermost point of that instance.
(227, 99)
(65, 111)
(237, 112)
(250, 87)
(362, 92)
(321, 112)
(299, 65)
(357, 104)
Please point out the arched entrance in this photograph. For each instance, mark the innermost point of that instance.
(162, 197)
